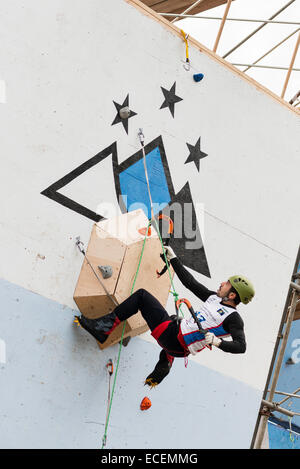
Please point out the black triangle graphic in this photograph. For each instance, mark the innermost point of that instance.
(52, 191)
(193, 258)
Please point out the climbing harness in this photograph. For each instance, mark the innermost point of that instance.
(187, 64)
(110, 368)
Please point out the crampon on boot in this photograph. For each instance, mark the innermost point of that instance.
(99, 328)
(161, 370)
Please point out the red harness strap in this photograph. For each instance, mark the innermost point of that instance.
(182, 342)
(156, 333)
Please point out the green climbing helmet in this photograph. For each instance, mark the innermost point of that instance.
(244, 288)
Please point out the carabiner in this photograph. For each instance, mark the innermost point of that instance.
(187, 302)
(171, 224)
(187, 65)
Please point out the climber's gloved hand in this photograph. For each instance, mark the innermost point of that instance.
(211, 339)
(170, 254)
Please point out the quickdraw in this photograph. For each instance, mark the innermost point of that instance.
(110, 368)
(187, 65)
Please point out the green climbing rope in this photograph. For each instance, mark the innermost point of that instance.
(121, 342)
(174, 293)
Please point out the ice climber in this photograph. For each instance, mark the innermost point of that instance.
(217, 314)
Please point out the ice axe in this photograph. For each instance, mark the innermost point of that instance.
(163, 255)
(194, 316)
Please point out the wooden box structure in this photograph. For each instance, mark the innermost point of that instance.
(118, 242)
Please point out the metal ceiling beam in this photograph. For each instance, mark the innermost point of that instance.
(258, 29)
(248, 20)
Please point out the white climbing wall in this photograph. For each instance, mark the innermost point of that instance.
(63, 66)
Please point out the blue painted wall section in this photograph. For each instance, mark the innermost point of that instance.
(288, 382)
(280, 438)
(289, 374)
(133, 184)
(54, 389)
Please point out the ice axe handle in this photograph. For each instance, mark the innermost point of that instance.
(166, 243)
(193, 314)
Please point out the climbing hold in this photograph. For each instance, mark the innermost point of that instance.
(145, 404)
(198, 76)
(106, 270)
(125, 341)
(145, 231)
(290, 361)
(124, 112)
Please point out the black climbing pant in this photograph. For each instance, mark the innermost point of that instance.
(164, 329)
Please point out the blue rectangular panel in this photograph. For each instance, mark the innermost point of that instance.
(133, 184)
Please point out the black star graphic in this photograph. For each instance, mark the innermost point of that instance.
(170, 98)
(195, 154)
(118, 118)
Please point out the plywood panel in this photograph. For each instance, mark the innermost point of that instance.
(146, 277)
(151, 261)
(125, 283)
(116, 335)
(101, 251)
(128, 271)
(94, 306)
(124, 257)
(89, 294)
